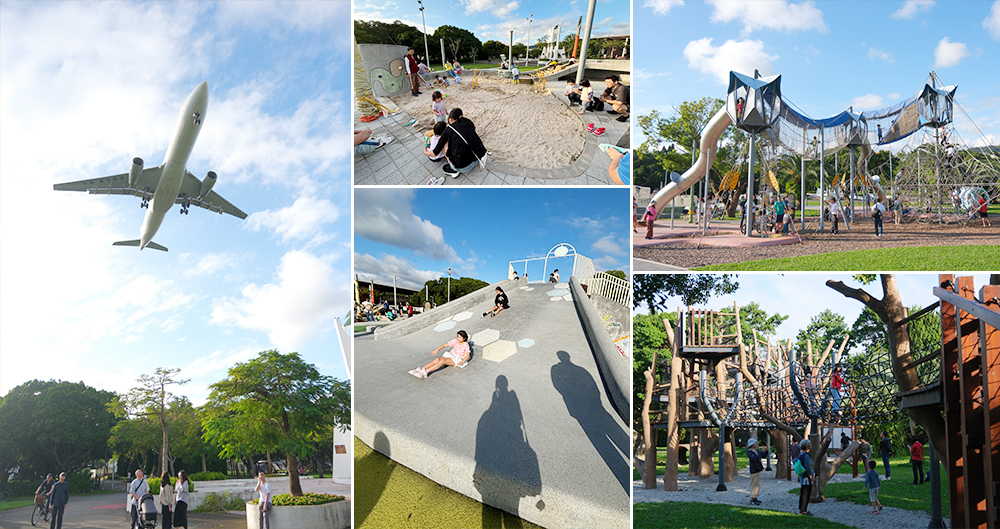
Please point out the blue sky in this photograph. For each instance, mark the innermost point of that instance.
(494, 19)
(830, 54)
(84, 87)
(416, 234)
(803, 296)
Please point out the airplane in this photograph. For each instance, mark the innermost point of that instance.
(167, 184)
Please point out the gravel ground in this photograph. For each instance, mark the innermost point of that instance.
(774, 495)
(860, 237)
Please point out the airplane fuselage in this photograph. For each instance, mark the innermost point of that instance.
(174, 164)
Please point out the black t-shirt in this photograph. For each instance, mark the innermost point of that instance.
(501, 300)
(47, 486)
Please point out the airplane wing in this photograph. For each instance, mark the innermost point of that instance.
(116, 184)
(190, 188)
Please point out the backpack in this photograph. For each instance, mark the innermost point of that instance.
(800, 469)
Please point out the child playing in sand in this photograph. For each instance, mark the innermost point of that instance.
(586, 96)
(458, 356)
(872, 484)
(431, 140)
(441, 81)
(572, 93)
(440, 113)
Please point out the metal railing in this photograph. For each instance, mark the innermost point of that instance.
(616, 289)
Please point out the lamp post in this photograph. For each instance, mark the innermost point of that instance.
(449, 283)
(427, 53)
(527, 53)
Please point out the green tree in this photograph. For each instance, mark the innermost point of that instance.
(694, 289)
(753, 318)
(460, 286)
(617, 273)
(275, 402)
(150, 399)
(492, 50)
(54, 426)
(459, 43)
(822, 328)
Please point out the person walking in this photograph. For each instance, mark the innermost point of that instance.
(984, 213)
(263, 489)
(181, 500)
(872, 484)
(835, 213)
(59, 499)
(885, 450)
(755, 470)
(138, 487)
(877, 211)
(166, 501)
(806, 477)
(917, 460)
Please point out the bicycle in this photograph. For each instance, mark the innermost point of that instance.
(4, 496)
(41, 510)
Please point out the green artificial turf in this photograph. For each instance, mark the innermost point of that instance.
(387, 494)
(681, 515)
(921, 258)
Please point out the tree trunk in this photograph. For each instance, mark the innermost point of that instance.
(709, 444)
(204, 465)
(827, 472)
(779, 443)
(674, 405)
(694, 453)
(295, 488)
(648, 470)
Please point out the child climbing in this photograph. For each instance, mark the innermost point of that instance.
(440, 112)
(458, 356)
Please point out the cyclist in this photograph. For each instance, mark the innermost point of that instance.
(46, 489)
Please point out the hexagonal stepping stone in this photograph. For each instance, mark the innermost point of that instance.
(462, 316)
(445, 325)
(562, 285)
(526, 343)
(558, 292)
(556, 298)
(568, 297)
(522, 288)
(485, 337)
(499, 350)
(444, 320)
(529, 289)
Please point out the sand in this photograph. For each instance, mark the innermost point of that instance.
(518, 126)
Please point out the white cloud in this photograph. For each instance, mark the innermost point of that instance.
(992, 22)
(893, 96)
(949, 53)
(607, 263)
(294, 308)
(912, 7)
(662, 7)
(985, 141)
(309, 16)
(875, 53)
(305, 219)
(608, 245)
(497, 8)
(385, 216)
(778, 15)
(740, 56)
(383, 269)
(866, 102)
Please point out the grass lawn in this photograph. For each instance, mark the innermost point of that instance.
(898, 492)
(921, 258)
(388, 494)
(14, 503)
(679, 515)
(661, 462)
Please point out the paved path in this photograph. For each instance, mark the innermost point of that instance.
(402, 162)
(526, 427)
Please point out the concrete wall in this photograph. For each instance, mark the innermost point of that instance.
(441, 312)
(336, 515)
(386, 69)
(616, 370)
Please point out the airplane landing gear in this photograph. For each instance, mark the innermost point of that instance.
(145, 203)
(184, 208)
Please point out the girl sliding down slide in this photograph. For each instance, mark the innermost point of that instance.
(458, 356)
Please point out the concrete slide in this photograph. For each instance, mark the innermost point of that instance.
(709, 144)
(526, 427)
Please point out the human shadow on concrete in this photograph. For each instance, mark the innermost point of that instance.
(582, 396)
(371, 475)
(506, 465)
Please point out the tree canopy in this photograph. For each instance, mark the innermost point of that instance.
(275, 402)
(54, 426)
(822, 328)
(694, 289)
(460, 286)
(459, 43)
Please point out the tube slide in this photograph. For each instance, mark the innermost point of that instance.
(709, 140)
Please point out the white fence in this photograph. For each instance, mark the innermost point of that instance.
(616, 289)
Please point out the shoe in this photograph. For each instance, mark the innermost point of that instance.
(416, 372)
(599, 131)
(450, 171)
(612, 112)
(484, 314)
(875, 512)
(590, 127)
(880, 507)
(382, 142)
(623, 119)
(886, 478)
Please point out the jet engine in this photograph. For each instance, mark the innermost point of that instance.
(134, 171)
(206, 184)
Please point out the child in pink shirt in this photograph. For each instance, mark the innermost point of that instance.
(458, 356)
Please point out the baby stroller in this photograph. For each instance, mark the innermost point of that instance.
(147, 512)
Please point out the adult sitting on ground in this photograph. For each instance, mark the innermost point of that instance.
(365, 143)
(619, 99)
(465, 148)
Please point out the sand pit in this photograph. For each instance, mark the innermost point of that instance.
(518, 126)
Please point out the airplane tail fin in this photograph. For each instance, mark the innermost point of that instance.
(135, 242)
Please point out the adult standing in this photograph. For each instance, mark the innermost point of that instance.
(263, 489)
(465, 148)
(138, 487)
(917, 460)
(806, 478)
(59, 499)
(779, 214)
(885, 450)
(866, 451)
(181, 500)
(166, 500)
(835, 213)
(755, 470)
(412, 69)
(877, 211)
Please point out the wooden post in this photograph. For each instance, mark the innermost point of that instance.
(990, 337)
(673, 407)
(952, 405)
(974, 436)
